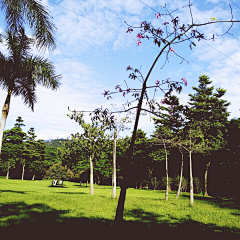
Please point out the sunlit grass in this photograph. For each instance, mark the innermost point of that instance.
(37, 198)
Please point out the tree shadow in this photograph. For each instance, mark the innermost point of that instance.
(70, 192)
(10, 191)
(230, 203)
(38, 221)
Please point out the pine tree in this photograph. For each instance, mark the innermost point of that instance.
(209, 112)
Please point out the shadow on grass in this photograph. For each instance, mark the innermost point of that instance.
(10, 191)
(70, 193)
(230, 203)
(38, 221)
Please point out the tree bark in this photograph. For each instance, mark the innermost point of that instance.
(180, 180)
(91, 176)
(5, 111)
(33, 177)
(23, 171)
(114, 166)
(166, 195)
(191, 179)
(7, 174)
(206, 173)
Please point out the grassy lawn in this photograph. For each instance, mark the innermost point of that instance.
(33, 208)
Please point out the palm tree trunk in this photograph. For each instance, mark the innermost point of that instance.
(23, 171)
(206, 173)
(91, 176)
(180, 180)
(5, 111)
(114, 167)
(191, 178)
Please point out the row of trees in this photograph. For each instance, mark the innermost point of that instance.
(21, 152)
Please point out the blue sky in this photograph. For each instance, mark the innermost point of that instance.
(92, 58)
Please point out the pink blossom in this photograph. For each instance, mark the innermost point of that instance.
(162, 101)
(165, 23)
(157, 15)
(120, 90)
(129, 67)
(128, 90)
(171, 106)
(172, 50)
(112, 117)
(171, 113)
(157, 82)
(105, 93)
(138, 43)
(118, 86)
(167, 80)
(185, 81)
(139, 36)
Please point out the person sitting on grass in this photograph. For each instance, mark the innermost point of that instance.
(60, 183)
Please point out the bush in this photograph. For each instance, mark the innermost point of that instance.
(57, 171)
(164, 182)
(197, 185)
(176, 180)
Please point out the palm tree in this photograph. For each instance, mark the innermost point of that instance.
(20, 72)
(35, 15)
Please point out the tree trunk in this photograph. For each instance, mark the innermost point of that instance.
(91, 176)
(114, 166)
(5, 111)
(121, 200)
(23, 171)
(191, 178)
(33, 177)
(180, 180)
(7, 174)
(166, 195)
(206, 173)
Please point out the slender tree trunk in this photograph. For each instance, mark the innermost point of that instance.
(7, 174)
(121, 200)
(23, 170)
(191, 179)
(180, 180)
(206, 174)
(5, 111)
(114, 183)
(166, 195)
(91, 176)
(33, 177)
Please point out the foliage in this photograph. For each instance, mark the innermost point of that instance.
(14, 147)
(57, 171)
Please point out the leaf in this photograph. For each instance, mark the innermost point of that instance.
(213, 19)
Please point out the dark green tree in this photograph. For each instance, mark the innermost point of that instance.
(36, 153)
(14, 147)
(208, 111)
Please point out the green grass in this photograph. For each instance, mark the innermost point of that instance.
(33, 207)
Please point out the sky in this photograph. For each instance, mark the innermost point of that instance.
(94, 50)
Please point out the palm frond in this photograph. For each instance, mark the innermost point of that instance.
(32, 12)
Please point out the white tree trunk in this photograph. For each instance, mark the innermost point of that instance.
(23, 171)
(205, 179)
(114, 167)
(180, 180)
(191, 178)
(91, 176)
(166, 196)
(33, 177)
(7, 174)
